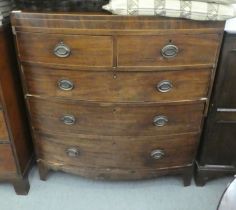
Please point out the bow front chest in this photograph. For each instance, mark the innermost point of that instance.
(116, 97)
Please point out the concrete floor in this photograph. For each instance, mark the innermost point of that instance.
(67, 192)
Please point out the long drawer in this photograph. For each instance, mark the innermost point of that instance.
(161, 86)
(69, 50)
(114, 119)
(7, 163)
(167, 50)
(3, 129)
(130, 153)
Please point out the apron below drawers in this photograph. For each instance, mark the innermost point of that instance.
(109, 119)
(107, 156)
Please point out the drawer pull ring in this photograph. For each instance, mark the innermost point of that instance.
(65, 85)
(62, 50)
(160, 121)
(164, 86)
(68, 120)
(157, 154)
(169, 51)
(72, 152)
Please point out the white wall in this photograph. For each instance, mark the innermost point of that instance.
(231, 24)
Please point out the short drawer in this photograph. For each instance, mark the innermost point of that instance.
(161, 86)
(7, 163)
(71, 50)
(167, 50)
(3, 129)
(111, 153)
(114, 119)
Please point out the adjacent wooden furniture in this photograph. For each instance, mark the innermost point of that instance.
(217, 155)
(228, 202)
(60, 5)
(15, 143)
(116, 97)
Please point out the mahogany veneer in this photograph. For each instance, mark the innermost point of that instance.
(116, 97)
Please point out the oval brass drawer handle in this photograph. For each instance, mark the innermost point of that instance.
(157, 154)
(62, 50)
(164, 86)
(72, 152)
(68, 119)
(65, 84)
(160, 121)
(169, 51)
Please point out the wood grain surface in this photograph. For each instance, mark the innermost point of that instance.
(111, 154)
(113, 119)
(118, 86)
(85, 50)
(3, 129)
(115, 65)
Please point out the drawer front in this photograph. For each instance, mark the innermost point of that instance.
(122, 87)
(71, 50)
(7, 163)
(3, 128)
(118, 152)
(169, 50)
(114, 119)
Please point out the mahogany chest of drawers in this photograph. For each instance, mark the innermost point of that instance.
(116, 97)
(15, 143)
(217, 156)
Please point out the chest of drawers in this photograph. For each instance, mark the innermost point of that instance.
(116, 97)
(217, 155)
(15, 143)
